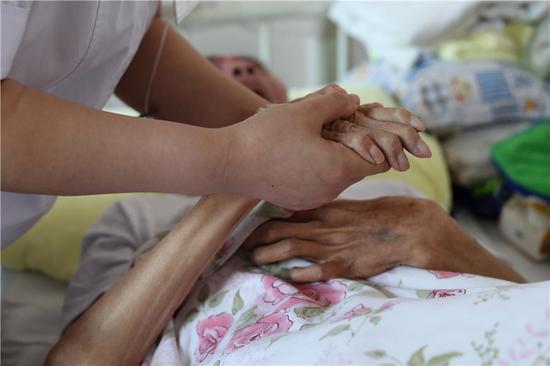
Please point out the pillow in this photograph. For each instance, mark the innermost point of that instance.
(461, 95)
(52, 246)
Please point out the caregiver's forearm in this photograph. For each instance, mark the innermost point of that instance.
(54, 146)
(186, 87)
(123, 324)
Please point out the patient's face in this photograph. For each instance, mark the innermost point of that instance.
(252, 75)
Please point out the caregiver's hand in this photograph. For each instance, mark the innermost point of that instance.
(279, 155)
(359, 239)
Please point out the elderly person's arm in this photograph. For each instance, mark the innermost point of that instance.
(359, 239)
(120, 327)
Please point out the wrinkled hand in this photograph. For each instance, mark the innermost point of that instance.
(378, 133)
(279, 155)
(359, 239)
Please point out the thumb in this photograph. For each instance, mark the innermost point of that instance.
(326, 108)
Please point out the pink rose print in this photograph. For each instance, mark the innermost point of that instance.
(211, 332)
(277, 290)
(357, 310)
(444, 274)
(446, 293)
(272, 324)
(283, 295)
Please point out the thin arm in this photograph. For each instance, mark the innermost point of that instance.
(123, 324)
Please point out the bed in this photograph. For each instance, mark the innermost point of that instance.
(31, 302)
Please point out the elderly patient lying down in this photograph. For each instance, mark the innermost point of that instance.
(189, 297)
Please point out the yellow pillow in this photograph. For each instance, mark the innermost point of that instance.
(428, 176)
(52, 246)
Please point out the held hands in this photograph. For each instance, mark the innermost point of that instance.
(359, 239)
(279, 154)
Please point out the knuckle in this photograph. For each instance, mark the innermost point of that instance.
(392, 143)
(269, 233)
(338, 98)
(364, 141)
(288, 246)
(409, 133)
(403, 114)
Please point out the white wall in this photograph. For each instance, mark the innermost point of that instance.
(294, 39)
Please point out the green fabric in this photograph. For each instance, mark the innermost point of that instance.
(524, 159)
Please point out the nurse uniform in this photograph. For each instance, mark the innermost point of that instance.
(76, 50)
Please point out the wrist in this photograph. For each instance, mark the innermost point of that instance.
(232, 165)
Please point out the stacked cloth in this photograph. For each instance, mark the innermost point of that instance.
(477, 72)
(466, 64)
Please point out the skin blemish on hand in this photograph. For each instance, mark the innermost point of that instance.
(385, 233)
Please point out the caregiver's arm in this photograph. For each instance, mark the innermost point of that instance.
(359, 239)
(186, 87)
(54, 146)
(120, 327)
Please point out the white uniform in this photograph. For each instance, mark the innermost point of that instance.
(77, 50)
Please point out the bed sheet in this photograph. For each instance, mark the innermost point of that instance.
(31, 316)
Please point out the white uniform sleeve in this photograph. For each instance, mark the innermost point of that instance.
(14, 16)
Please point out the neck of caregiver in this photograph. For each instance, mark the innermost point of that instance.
(56, 147)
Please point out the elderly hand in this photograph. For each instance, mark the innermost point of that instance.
(359, 239)
(375, 132)
(278, 154)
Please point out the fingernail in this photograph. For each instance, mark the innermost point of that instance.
(376, 154)
(417, 123)
(403, 162)
(423, 149)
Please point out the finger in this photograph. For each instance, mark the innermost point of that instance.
(274, 231)
(408, 135)
(368, 266)
(331, 88)
(392, 148)
(322, 109)
(319, 272)
(361, 143)
(360, 168)
(290, 248)
(365, 107)
(400, 115)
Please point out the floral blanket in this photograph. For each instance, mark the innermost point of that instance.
(239, 314)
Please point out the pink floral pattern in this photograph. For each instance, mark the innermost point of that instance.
(275, 323)
(357, 310)
(444, 274)
(283, 295)
(446, 293)
(211, 332)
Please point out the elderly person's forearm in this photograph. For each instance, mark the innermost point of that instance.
(120, 327)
